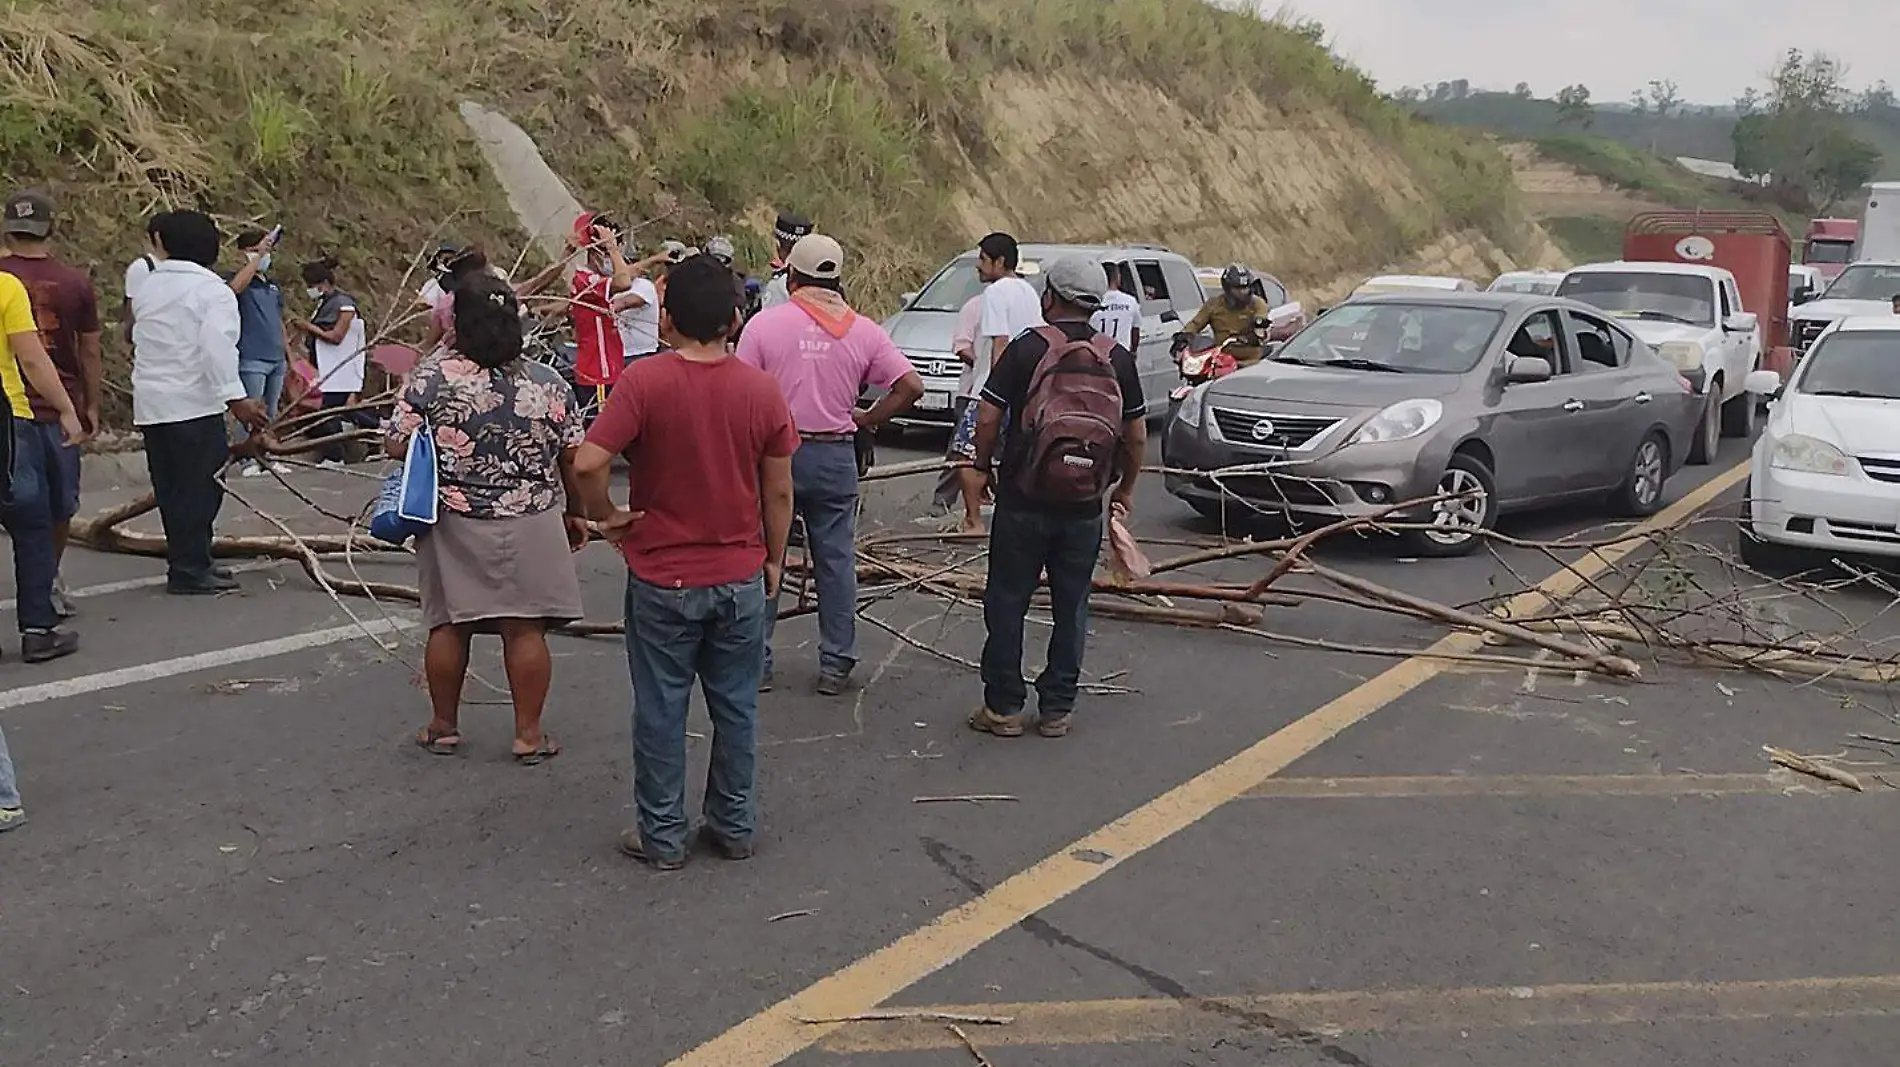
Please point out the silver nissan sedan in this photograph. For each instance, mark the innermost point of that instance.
(1494, 401)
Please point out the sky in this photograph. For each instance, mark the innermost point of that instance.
(1713, 49)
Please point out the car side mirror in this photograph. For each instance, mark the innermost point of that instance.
(906, 299)
(1762, 383)
(1740, 322)
(1267, 350)
(1527, 370)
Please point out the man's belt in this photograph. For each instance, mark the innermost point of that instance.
(826, 437)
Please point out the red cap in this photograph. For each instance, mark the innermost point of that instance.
(584, 227)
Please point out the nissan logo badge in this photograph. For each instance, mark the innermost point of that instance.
(1262, 429)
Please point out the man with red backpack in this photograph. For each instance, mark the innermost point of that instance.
(1066, 402)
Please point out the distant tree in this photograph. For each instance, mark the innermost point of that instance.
(1639, 102)
(1842, 164)
(1664, 98)
(1877, 98)
(1800, 136)
(1754, 152)
(1749, 102)
(1460, 89)
(1407, 94)
(1573, 106)
(1523, 91)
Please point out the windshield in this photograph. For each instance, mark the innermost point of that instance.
(1410, 338)
(1685, 298)
(1853, 363)
(956, 284)
(1828, 252)
(1866, 281)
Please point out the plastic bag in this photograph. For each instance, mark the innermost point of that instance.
(406, 506)
(1126, 559)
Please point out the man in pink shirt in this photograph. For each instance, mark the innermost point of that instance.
(823, 354)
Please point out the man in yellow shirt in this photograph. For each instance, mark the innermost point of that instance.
(28, 509)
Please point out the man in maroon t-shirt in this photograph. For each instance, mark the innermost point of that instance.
(709, 443)
(66, 307)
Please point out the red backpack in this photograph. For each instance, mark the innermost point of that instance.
(1071, 422)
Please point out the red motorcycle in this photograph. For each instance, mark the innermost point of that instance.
(1200, 361)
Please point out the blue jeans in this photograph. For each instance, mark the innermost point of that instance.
(825, 496)
(28, 517)
(1023, 543)
(715, 634)
(9, 789)
(262, 381)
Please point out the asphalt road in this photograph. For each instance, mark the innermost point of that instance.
(1264, 855)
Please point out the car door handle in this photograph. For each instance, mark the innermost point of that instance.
(1573, 405)
(1643, 398)
(1169, 316)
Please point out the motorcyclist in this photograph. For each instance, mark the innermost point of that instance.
(1237, 314)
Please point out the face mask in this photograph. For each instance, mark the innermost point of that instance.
(263, 263)
(315, 293)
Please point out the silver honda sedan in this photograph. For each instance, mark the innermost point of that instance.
(1493, 401)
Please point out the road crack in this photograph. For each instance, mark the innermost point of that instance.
(959, 865)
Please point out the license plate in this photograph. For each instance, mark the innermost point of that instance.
(934, 402)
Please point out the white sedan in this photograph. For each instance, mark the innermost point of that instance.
(1826, 472)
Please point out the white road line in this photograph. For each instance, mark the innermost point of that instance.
(223, 657)
(129, 584)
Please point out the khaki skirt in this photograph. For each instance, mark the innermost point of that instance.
(472, 571)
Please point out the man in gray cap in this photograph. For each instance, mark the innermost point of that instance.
(1065, 402)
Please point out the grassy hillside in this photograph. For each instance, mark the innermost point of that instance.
(1702, 132)
(906, 127)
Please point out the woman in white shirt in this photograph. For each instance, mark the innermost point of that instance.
(338, 347)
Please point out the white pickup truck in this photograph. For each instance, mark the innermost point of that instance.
(1864, 288)
(1692, 316)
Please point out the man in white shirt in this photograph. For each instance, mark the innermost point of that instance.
(787, 230)
(1010, 306)
(184, 378)
(1120, 314)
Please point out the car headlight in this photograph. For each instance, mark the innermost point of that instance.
(1686, 355)
(1407, 418)
(1799, 452)
(1190, 411)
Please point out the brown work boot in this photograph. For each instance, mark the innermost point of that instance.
(988, 722)
(1054, 725)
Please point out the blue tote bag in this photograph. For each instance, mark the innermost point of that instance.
(406, 507)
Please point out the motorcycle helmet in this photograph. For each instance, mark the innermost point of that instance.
(1236, 278)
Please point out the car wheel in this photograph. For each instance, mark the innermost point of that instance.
(1642, 490)
(1708, 433)
(1738, 416)
(1470, 507)
(1760, 554)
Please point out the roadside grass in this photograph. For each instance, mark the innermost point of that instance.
(1588, 238)
(338, 118)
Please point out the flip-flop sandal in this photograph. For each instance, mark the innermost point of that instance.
(445, 743)
(548, 750)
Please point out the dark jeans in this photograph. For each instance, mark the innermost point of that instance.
(184, 459)
(1023, 544)
(28, 517)
(674, 636)
(825, 495)
(362, 420)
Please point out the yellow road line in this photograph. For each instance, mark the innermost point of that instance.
(1106, 1022)
(776, 1034)
(1523, 785)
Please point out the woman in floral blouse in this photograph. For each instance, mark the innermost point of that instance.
(499, 559)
